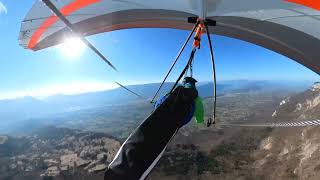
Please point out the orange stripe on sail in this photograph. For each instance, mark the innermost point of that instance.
(66, 10)
(315, 4)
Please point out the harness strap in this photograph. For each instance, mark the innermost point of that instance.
(200, 28)
(184, 70)
(199, 32)
(175, 61)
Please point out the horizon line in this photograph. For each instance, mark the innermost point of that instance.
(108, 87)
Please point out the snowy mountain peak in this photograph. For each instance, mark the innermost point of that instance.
(316, 87)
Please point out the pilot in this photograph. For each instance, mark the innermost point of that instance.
(144, 147)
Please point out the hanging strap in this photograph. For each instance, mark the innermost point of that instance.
(199, 32)
(199, 29)
(175, 61)
(200, 26)
(184, 70)
(213, 120)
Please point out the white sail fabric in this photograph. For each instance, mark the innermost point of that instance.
(287, 28)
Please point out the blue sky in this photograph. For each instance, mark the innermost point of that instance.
(141, 55)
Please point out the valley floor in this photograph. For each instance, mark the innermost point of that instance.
(197, 152)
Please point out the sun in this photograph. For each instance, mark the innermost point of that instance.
(72, 48)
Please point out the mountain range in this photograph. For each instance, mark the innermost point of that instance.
(15, 110)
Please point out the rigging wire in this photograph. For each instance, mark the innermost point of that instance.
(175, 61)
(130, 91)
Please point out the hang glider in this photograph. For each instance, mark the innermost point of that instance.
(290, 28)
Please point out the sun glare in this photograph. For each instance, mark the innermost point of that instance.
(72, 48)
